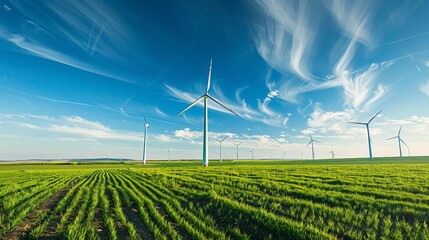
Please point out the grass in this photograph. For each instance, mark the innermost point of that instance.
(386, 198)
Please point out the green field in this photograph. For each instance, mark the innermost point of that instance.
(387, 198)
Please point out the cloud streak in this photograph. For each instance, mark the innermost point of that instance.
(80, 31)
(240, 105)
(286, 41)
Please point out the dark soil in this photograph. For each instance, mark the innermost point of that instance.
(22, 230)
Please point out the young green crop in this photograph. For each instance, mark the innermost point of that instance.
(246, 200)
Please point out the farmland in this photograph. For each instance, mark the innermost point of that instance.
(384, 199)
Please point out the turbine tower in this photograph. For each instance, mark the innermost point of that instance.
(146, 126)
(367, 130)
(220, 147)
(237, 144)
(206, 96)
(252, 153)
(399, 142)
(312, 145)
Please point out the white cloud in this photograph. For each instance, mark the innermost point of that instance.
(358, 85)
(42, 51)
(425, 88)
(164, 138)
(286, 43)
(71, 125)
(23, 124)
(6, 7)
(88, 29)
(286, 37)
(160, 113)
(79, 121)
(188, 134)
(354, 18)
(332, 121)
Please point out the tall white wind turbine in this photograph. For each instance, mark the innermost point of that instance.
(253, 156)
(312, 145)
(220, 147)
(332, 153)
(146, 126)
(205, 97)
(237, 144)
(367, 130)
(399, 142)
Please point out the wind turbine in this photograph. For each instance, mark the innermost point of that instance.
(399, 142)
(206, 96)
(312, 145)
(220, 147)
(237, 144)
(332, 153)
(168, 154)
(252, 153)
(367, 130)
(146, 126)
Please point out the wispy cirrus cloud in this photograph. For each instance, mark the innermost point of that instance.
(71, 33)
(287, 43)
(285, 37)
(354, 18)
(240, 105)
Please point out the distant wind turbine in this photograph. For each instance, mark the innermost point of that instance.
(367, 130)
(146, 126)
(220, 147)
(399, 142)
(237, 144)
(252, 153)
(332, 153)
(168, 154)
(312, 145)
(206, 120)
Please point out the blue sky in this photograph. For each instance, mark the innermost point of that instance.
(76, 78)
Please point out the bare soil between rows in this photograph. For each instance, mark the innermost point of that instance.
(31, 221)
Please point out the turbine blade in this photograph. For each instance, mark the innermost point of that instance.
(403, 142)
(224, 138)
(309, 143)
(191, 105)
(316, 141)
(391, 138)
(375, 116)
(399, 132)
(210, 75)
(357, 123)
(218, 102)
